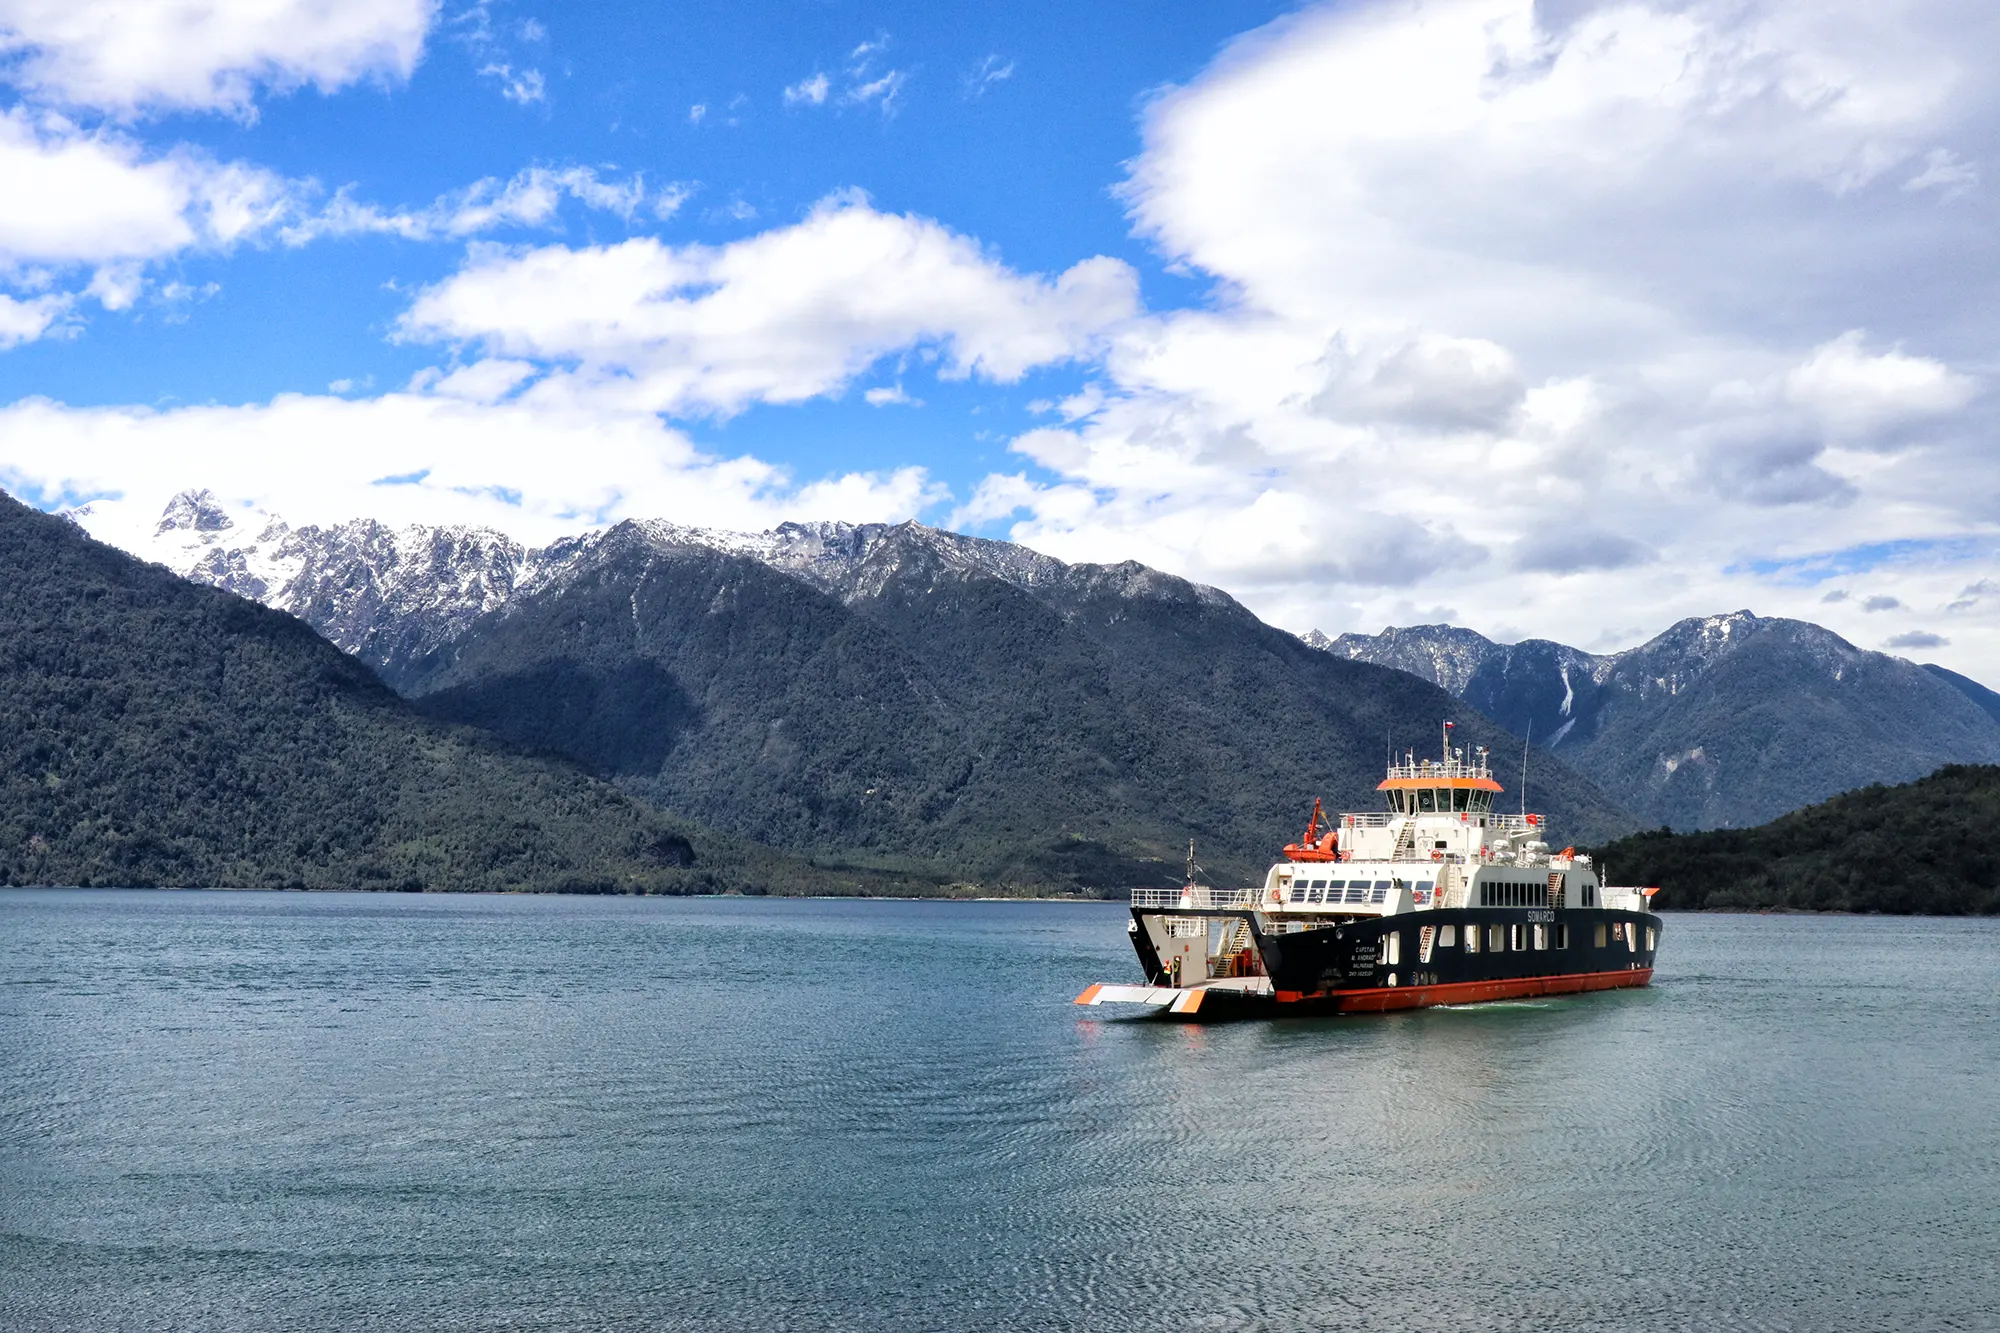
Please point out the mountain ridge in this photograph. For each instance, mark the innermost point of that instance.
(1718, 721)
(879, 690)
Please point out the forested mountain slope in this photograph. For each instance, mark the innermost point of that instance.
(919, 698)
(915, 701)
(1923, 847)
(155, 732)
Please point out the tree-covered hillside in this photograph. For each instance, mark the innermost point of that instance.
(155, 732)
(1923, 847)
(916, 709)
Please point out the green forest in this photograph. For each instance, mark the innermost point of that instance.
(1922, 847)
(158, 733)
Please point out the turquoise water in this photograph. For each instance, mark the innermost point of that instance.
(283, 1111)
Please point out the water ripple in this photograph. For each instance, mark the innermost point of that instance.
(272, 1111)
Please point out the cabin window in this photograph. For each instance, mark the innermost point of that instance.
(1600, 934)
(1519, 944)
(1319, 883)
(1357, 891)
(1312, 895)
(1649, 939)
(1426, 803)
(1496, 939)
(1590, 895)
(1471, 939)
(1425, 886)
(1447, 937)
(1541, 936)
(1562, 935)
(1389, 949)
(1298, 893)
(1382, 887)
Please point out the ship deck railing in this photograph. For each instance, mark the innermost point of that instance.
(1199, 898)
(1383, 819)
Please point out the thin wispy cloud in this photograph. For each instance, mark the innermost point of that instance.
(809, 91)
(518, 86)
(986, 73)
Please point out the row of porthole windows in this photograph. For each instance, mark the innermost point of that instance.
(1518, 937)
(1521, 937)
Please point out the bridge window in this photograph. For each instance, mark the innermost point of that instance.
(1426, 802)
(1590, 895)
(1460, 798)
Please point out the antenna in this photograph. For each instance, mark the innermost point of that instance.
(1525, 741)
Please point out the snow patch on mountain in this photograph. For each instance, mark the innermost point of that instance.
(394, 594)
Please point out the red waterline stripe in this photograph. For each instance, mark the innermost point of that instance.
(1470, 992)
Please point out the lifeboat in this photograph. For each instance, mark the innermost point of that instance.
(1313, 846)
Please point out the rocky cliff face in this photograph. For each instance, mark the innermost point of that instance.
(1720, 721)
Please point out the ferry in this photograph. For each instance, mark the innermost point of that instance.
(1439, 899)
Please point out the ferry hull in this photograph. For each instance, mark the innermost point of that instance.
(1353, 966)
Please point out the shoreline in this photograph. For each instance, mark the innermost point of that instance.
(866, 897)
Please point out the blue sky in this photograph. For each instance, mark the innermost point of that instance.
(1562, 320)
(1012, 121)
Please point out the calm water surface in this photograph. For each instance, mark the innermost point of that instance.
(251, 1111)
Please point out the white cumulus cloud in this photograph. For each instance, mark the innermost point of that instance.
(534, 471)
(1552, 314)
(204, 55)
(786, 315)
